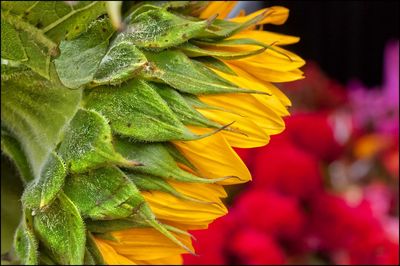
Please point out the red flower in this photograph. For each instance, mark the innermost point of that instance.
(313, 133)
(211, 242)
(249, 246)
(287, 169)
(270, 212)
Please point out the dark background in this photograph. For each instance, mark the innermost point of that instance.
(346, 38)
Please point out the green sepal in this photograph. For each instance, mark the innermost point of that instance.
(106, 226)
(88, 145)
(45, 259)
(61, 230)
(136, 110)
(121, 62)
(80, 57)
(41, 191)
(195, 102)
(11, 147)
(158, 29)
(36, 112)
(25, 242)
(92, 248)
(88, 258)
(107, 194)
(104, 194)
(156, 161)
(178, 156)
(152, 183)
(222, 29)
(215, 63)
(185, 75)
(192, 50)
(242, 41)
(186, 114)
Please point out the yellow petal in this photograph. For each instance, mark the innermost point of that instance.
(270, 75)
(245, 134)
(266, 37)
(222, 8)
(279, 60)
(249, 107)
(245, 80)
(276, 15)
(205, 192)
(173, 260)
(147, 244)
(110, 255)
(214, 157)
(170, 208)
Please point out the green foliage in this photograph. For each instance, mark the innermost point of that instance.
(57, 19)
(13, 150)
(36, 111)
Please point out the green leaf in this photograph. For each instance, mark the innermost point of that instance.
(192, 50)
(36, 111)
(25, 243)
(156, 161)
(122, 61)
(185, 75)
(43, 190)
(136, 110)
(11, 212)
(13, 150)
(61, 229)
(104, 193)
(81, 56)
(186, 113)
(11, 45)
(57, 19)
(159, 29)
(87, 143)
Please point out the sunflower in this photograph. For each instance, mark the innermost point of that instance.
(147, 128)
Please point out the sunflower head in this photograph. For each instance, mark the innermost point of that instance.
(122, 124)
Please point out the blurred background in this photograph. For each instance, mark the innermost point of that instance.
(326, 190)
